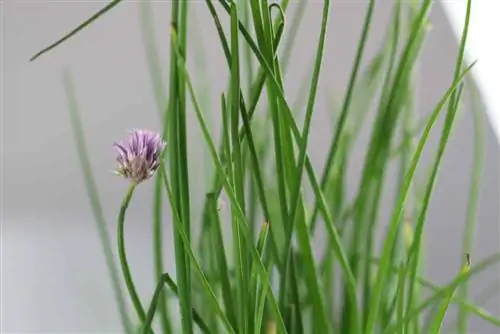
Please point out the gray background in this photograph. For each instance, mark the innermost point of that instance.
(53, 274)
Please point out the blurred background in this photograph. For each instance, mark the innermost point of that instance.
(53, 276)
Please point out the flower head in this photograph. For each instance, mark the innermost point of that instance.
(138, 156)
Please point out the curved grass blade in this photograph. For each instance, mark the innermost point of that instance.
(82, 26)
(469, 306)
(442, 293)
(425, 283)
(491, 291)
(396, 217)
(435, 327)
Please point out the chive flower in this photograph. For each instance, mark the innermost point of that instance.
(138, 156)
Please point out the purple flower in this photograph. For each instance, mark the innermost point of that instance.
(139, 154)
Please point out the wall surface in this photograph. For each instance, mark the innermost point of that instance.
(53, 275)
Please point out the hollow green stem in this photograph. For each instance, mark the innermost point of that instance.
(123, 257)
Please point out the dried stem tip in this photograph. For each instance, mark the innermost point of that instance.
(138, 156)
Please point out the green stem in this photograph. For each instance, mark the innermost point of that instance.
(153, 305)
(166, 279)
(179, 164)
(158, 252)
(474, 192)
(123, 257)
(82, 26)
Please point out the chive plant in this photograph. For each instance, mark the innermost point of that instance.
(269, 280)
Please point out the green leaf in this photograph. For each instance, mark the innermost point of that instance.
(73, 32)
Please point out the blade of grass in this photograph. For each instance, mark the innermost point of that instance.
(283, 145)
(296, 189)
(267, 68)
(425, 283)
(396, 217)
(178, 164)
(475, 187)
(395, 288)
(401, 300)
(82, 26)
(413, 256)
(227, 186)
(328, 270)
(436, 325)
(410, 134)
(185, 241)
(363, 96)
(333, 234)
(226, 145)
(196, 315)
(491, 291)
(158, 253)
(166, 279)
(288, 166)
(246, 119)
(441, 293)
(263, 31)
(275, 84)
(338, 249)
(155, 70)
(469, 306)
(296, 193)
(247, 53)
(260, 296)
(95, 203)
(218, 243)
(259, 183)
(237, 177)
(393, 99)
(367, 203)
(298, 326)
